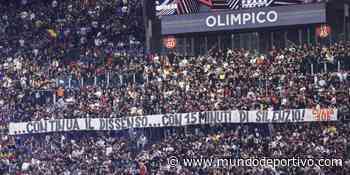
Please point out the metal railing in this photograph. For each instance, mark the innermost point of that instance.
(107, 80)
(112, 79)
(326, 67)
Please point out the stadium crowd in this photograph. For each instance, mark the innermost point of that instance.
(43, 40)
(71, 65)
(69, 59)
(134, 154)
(131, 85)
(234, 79)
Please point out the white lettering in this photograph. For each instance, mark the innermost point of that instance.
(253, 18)
(242, 18)
(220, 22)
(246, 17)
(211, 21)
(228, 19)
(272, 16)
(166, 7)
(258, 17)
(235, 19)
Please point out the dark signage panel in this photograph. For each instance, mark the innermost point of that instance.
(244, 19)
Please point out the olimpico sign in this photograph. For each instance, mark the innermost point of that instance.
(242, 18)
(230, 20)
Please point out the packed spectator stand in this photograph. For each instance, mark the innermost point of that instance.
(102, 153)
(79, 59)
(291, 78)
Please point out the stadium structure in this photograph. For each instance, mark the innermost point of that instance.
(193, 27)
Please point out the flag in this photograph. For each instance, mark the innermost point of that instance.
(52, 33)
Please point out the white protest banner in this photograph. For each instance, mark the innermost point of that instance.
(173, 120)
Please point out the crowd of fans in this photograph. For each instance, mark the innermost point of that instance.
(131, 85)
(221, 80)
(135, 154)
(80, 61)
(84, 58)
(41, 41)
